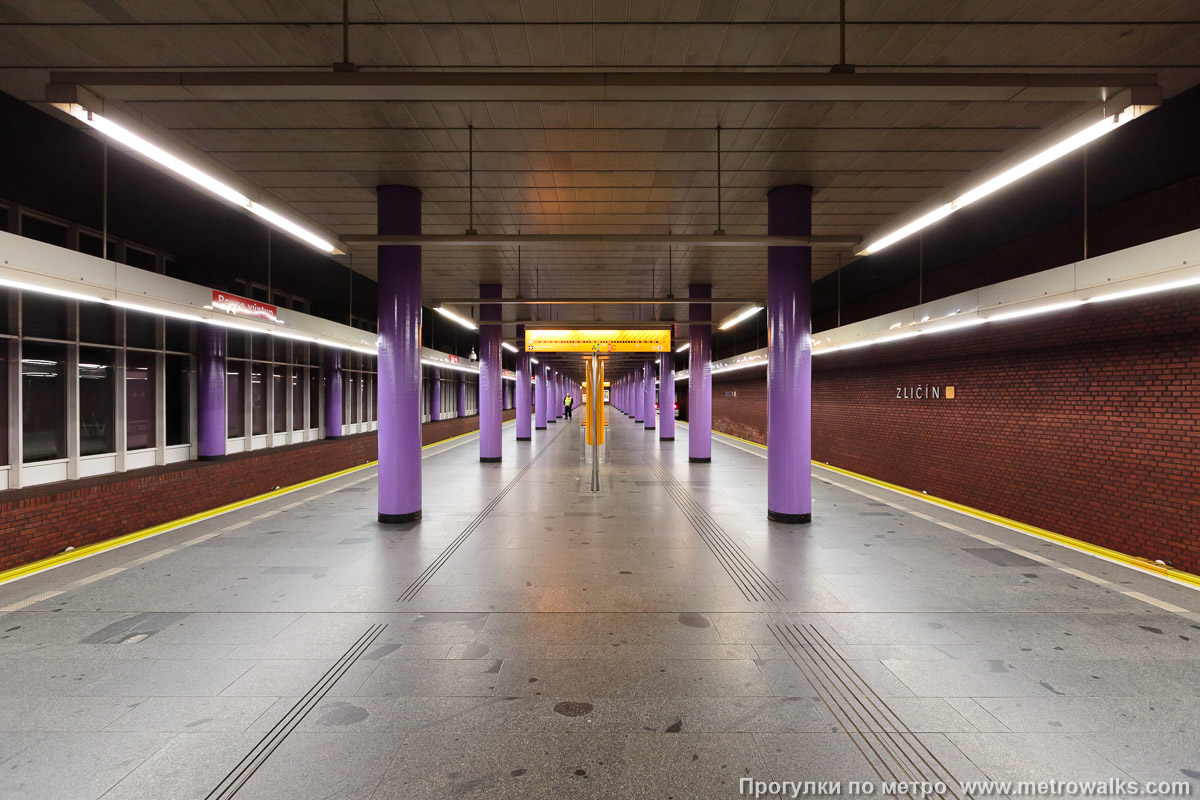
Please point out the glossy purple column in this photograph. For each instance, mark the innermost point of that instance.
(700, 376)
(551, 392)
(333, 393)
(648, 394)
(435, 395)
(399, 364)
(666, 397)
(462, 394)
(210, 397)
(524, 407)
(539, 388)
(637, 396)
(490, 374)
(789, 358)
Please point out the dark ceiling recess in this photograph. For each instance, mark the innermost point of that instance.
(1142, 170)
(50, 166)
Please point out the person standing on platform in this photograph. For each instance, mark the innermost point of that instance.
(568, 404)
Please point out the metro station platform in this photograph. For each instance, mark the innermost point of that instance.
(529, 638)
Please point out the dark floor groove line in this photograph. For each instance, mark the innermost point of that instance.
(861, 706)
(820, 644)
(895, 744)
(754, 584)
(426, 574)
(237, 777)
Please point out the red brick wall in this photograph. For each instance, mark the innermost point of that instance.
(1085, 422)
(44, 520)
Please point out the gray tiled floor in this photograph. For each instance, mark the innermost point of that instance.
(920, 640)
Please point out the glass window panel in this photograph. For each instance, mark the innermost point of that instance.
(178, 335)
(258, 347)
(259, 293)
(44, 401)
(141, 259)
(141, 330)
(314, 355)
(92, 244)
(139, 400)
(8, 322)
(258, 400)
(355, 395)
(298, 398)
(44, 230)
(279, 300)
(314, 397)
(97, 323)
(179, 400)
(300, 352)
(235, 344)
(97, 401)
(4, 399)
(278, 374)
(235, 410)
(44, 317)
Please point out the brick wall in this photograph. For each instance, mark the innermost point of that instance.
(1084, 422)
(41, 521)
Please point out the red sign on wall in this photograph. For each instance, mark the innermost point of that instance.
(242, 306)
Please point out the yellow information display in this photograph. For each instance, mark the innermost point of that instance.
(545, 340)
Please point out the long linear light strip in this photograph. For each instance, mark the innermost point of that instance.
(1008, 176)
(975, 321)
(450, 313)
(195, 175)
(180, 315)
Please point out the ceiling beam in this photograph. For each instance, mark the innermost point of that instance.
(586, 301)
(657, 239)
(201, 85)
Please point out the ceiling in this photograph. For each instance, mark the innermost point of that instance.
(555, 162)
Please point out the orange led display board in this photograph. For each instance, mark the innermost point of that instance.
(544, 340)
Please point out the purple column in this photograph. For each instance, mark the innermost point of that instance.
(666, 397)
(700, 376)
(462, 394)
(789, 358)
(210, 416)
(333, 393)
(638, 396)
(551, 392)
(490, 374)
(648, 393)
(523, 393)
(541, 374)
(435, 395)
(399, 365)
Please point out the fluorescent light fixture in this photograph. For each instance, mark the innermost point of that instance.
(31, 287)
(533, 360)
(193, 174)
(1180, 284)
(1029, 312)
(447, 365)
(450, 313)
(1012, 174)
(745, 312)
(509, 347)
(683, 347)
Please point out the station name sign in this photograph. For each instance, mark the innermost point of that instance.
(243, 306)
(545, 340)
(923, 391)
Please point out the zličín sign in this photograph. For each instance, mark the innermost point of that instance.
(924, 392)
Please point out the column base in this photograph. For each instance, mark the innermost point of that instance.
(540, 428)
(666, 438)
(490, 459)
(221, 457)
(705, 460)
(524, 438)
(392, 519)
(789, 519)
(650, 428)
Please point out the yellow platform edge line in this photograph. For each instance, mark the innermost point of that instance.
(1134, 562)
(58, 560)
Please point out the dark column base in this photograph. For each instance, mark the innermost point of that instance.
(789, 519)
(540, 428)
(392, 519)
(524, 438)
(651, 428)
(490, 459)
(700, 460)
(666, 438)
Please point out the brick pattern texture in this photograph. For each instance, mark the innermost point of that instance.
(1084, 422)
(44, 520)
